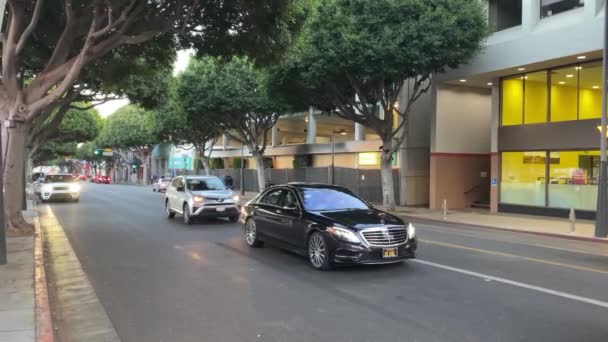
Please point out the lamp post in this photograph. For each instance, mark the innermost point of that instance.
(2, 223)
(333, 151)
(601, 219)
(242, 170)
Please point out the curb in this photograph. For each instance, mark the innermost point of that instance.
(44, 321)
(478, 226)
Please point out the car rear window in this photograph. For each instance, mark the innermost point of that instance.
(59, 179)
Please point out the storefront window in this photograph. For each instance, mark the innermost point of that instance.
(504, 14)
(552, 7)
(523, 178)
(590, 92)
(512, 101)
(564, 83)
(535, 97)
(573, 178)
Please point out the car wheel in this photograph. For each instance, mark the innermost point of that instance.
(318, 254)
(170, 213)
(153, 189)
(186, 215)
(76, 199)
(233, 218)
(251, 234)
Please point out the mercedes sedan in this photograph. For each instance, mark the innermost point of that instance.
(328, 224)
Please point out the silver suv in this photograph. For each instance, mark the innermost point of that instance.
(200, 196)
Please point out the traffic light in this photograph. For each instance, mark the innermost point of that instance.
(134, 165)
(98, 152)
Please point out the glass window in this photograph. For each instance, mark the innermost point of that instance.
(504, 14)
(512, 101)
(290, 200)
(205, 184)
(590, 91)
(523, 178)
(535, 97)
(176, 182)
(564, 83)
(551, 7)
(326, 199)
(573, 179)
(59, 179)
(273, 197)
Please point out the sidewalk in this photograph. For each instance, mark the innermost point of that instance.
(17, 294)
(540, 225)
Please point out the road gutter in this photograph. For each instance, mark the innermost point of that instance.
(44, 321)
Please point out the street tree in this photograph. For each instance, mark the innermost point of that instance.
(131, 128)
(234, 95)
(77, 126)
(174, 126)
(355, 58)
(50, 45)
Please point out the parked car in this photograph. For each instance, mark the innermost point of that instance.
(103, 180)
(59, 186)
(328, 224)
(82, 178)
(161, 184)
(200, 196)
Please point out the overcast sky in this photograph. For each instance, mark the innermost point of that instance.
(183, 57)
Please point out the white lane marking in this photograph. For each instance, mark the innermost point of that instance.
(515, 283)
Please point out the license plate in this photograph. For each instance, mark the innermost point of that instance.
(390, 252)
(220, 209)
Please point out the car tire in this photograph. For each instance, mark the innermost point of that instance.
(170, 213)
(233, 218)
(318, 253)
(251, 234)
(153, 189)
(186, 214)
(76, 200)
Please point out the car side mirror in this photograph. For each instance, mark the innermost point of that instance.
(180, 188)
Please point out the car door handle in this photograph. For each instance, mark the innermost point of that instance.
(279, 211)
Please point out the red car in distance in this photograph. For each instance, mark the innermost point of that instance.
(103, 179)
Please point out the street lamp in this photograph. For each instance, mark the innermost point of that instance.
(333, 151)
(601, 216)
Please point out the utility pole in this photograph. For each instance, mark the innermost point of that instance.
(242, 169)
(2, 221)
(601, 219)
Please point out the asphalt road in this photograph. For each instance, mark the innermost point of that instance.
(160, 280)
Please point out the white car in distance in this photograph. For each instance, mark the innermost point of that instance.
(58, 186)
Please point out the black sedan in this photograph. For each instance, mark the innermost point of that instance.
(328, 224)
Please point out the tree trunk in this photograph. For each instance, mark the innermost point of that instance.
(146, 178)
(259, 161)
(386, 173)
(206, 165)
(14, 168)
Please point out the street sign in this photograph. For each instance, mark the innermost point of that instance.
(108, 153)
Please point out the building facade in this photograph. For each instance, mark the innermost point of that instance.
(517, 128)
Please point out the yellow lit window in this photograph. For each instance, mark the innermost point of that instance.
(564, 83)
(512, 101)
(535, 109)
(523, 178)
(369, 158)
(573, 179)
(590, 92)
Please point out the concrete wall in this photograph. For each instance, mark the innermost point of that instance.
(460, 146)
(566, 34)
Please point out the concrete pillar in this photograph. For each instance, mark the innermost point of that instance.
(593, 8)
(530, 12)
(494, 154)
(359, 132)
(274, 139)
(311, 135)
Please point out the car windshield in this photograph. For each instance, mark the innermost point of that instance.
(59, 179)
(327, 199)
(205, 184)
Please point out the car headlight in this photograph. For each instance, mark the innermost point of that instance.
(411, 231)
(74, 187)
(236, 198)
(198, 199)
(343, 234)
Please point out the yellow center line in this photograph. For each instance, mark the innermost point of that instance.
(540, 261)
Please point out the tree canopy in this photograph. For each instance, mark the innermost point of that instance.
(129, 127)
(369, 61)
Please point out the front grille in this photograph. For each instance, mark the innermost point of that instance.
(60, 188)
(385, 236)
